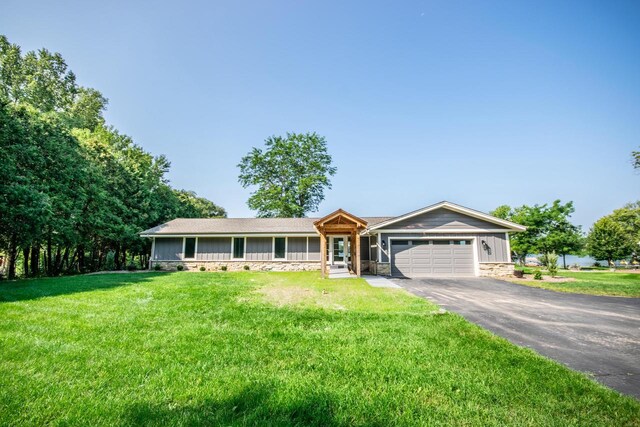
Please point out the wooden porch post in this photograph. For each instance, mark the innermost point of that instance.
(357, 253)
(323, 252)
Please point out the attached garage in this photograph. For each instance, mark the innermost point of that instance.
(432, 258)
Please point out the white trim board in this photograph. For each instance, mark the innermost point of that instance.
(440, 230)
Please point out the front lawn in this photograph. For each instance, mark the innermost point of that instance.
(593, 282)
(269, 349)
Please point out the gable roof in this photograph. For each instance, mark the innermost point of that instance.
(204, 226)
(341, 213)
(508, 225)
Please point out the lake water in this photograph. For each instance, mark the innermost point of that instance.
(584, 261)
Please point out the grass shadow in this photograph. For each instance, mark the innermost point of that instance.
(250, 406)
(30, 289)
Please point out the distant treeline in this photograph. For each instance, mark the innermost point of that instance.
(74, 192)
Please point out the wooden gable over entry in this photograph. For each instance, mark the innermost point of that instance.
(343, 223)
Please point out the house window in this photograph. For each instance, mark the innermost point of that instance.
(279, 247)
(462, 242)
(441, 242)
(189, 247)
(238, 247)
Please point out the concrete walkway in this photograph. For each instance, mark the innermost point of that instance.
(380, 282)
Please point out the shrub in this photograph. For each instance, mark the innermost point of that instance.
(246, 267)
(597, 264)
(223, 267)
(132, 267)
(180, 267)
(518, 273)
(202, 268)
(538, 275)
(157, 267)
(552, 263)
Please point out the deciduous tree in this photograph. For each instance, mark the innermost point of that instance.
(290, 174)
(608, 240)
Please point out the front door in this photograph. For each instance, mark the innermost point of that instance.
(339, 254)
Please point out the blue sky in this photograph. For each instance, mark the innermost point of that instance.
(478, 103)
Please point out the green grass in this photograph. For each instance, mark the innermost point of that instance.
(269, 349)
(592, 282)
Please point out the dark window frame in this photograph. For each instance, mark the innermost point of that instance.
(235, 246)
(284, 248)
(188, 248)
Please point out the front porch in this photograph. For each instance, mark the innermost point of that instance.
(340, 242)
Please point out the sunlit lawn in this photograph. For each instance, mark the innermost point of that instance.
(269, 349)
(592, 282)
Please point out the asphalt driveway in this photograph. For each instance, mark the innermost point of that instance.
(594, 334)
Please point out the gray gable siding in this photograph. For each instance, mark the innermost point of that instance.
(259, 249)
(214, 249)
(297, 248)
(496, 250)
(168, 249)
(314, 248)
(373, 248)
(364, 248)
(496, 242)
(441, 219)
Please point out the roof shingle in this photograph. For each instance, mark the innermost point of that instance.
(240, 225)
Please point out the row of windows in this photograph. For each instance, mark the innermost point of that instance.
(431, 242)
(279, 247)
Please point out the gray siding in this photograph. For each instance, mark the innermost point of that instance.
(214, 249)
(259, 248)
(364, 248)
(314, 248)
(168, 249)
(497, 245)
(496, 250)
(442, 219)
(297, 248)
(373, 248)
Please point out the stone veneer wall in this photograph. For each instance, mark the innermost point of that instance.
(496, 269)
(239, 265)
(380, 268)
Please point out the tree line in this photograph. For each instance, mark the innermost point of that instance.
(549, 231)
(74, 192)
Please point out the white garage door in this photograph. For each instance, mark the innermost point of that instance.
(429, 258)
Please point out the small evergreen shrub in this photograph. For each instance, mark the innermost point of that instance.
(180, 267)
(202, 268)
(157, 267)
(223, 267)
(538, 275)
(131, 267)
(247, 268)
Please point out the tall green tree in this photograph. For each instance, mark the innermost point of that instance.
(74, 192)
(608, 240)
(635, 155)
(290, 174)
(629, 219)
(192, 206)
(549, 229)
